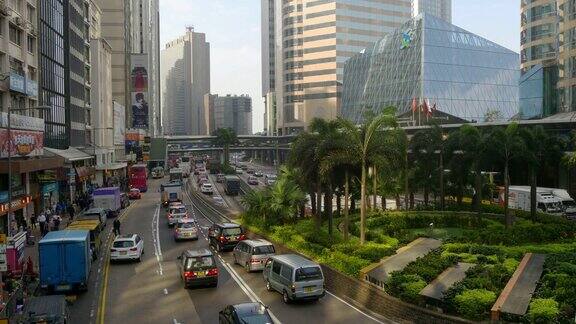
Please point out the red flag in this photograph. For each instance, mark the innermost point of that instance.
(425, 106)
(434, 107)
(414, 105)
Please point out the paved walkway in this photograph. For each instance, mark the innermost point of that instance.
(446, 280)
(404, 256)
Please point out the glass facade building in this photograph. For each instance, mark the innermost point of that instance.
(464, 75)
(538, 95)
(52, 63)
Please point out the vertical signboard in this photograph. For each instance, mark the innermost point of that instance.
(139, 95)
(119, 124)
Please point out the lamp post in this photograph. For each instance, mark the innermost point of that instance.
(10, 110)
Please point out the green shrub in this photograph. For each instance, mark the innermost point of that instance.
(543, 310)
(475, 304)
(373, 252)
(405, 286)
(430, 266)
(348, 264)
(510, 265)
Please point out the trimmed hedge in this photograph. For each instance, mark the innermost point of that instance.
(543, 310)
(475, 304)
(559, 283)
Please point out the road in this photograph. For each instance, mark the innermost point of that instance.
(151, 291)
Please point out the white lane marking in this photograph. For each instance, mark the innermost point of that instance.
(354, 308)
(165, 291)
(156, 240)
(175, 321)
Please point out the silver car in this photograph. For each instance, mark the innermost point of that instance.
(185, 229)
(175, 214)
(295, 277)
(253, 254)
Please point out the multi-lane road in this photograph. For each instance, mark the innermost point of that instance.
(151, 291)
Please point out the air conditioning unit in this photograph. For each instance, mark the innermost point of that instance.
(32, 31)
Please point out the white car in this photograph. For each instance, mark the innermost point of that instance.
(176, 213)
(127, 247)
(218, 200)
(206, 188)
(239, 171)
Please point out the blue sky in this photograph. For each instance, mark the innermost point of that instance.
(233, 29)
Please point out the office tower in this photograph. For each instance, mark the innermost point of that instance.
(268, 22)
(53, 91)
(439, 8)
(234, 112)
(116, 29)
(185, 79)
(312, 41)
(566, 56)
(146, 45)
(428, 64)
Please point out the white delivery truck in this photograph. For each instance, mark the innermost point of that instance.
(108, 199)
(546, 201)
(171, 192)
(185, 166)
(568, 203)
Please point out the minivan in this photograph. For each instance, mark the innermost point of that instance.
(295, 277)
(253, 254)
(95, 214)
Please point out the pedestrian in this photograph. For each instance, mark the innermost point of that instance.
(56, 219)
(42, 223)
(117, 227)
(71, 211)
(33, 221)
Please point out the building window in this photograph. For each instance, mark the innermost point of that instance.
(16, 66)
(31, 44)
(31, 15)
(15, 35)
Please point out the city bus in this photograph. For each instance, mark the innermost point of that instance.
(139, 177)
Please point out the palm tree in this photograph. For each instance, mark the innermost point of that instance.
(507, 145)
(285, 199)
(304, 157)
(225, 137)
(541, 148)
(474, 144)
(257, 203)
(368, 145)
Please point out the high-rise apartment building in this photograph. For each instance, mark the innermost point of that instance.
(312, 41)
(185, 79)
(538, 32)
(566, 55)
(234, 112)
(439, 8)
(145, 19)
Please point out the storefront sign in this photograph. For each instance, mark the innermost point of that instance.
(21, 143)
(50, 187)
(20, 191)
(84, 173)
(17, 83)
(119, 123)
(22, 122)
(46, 176)
(3, 263)
(16, 204)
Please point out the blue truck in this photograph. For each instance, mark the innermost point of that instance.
(65, 260)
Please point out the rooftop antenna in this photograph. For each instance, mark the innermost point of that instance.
(190, 28)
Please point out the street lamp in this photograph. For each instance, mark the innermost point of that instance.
(10, 110)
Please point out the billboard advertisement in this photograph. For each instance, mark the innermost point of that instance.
(139, 95)
(22, 143)
(119, 123)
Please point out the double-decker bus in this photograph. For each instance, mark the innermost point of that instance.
(139, 177)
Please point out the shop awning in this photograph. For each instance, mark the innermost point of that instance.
(70, 154)
(111, 166)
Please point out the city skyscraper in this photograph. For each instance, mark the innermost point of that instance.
(312, 41)
(439, 8)
(145, 19)
(268, 21)
(234, 112)
(185, 79)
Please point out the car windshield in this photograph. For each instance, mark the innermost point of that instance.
(266, 249)
(178, 210)
(123, 244)
(200, 262)
(207, 185)
(232, 231)
(308, 273)
(185, 225)
(134, 191)
(91, 215)
(256, 319)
